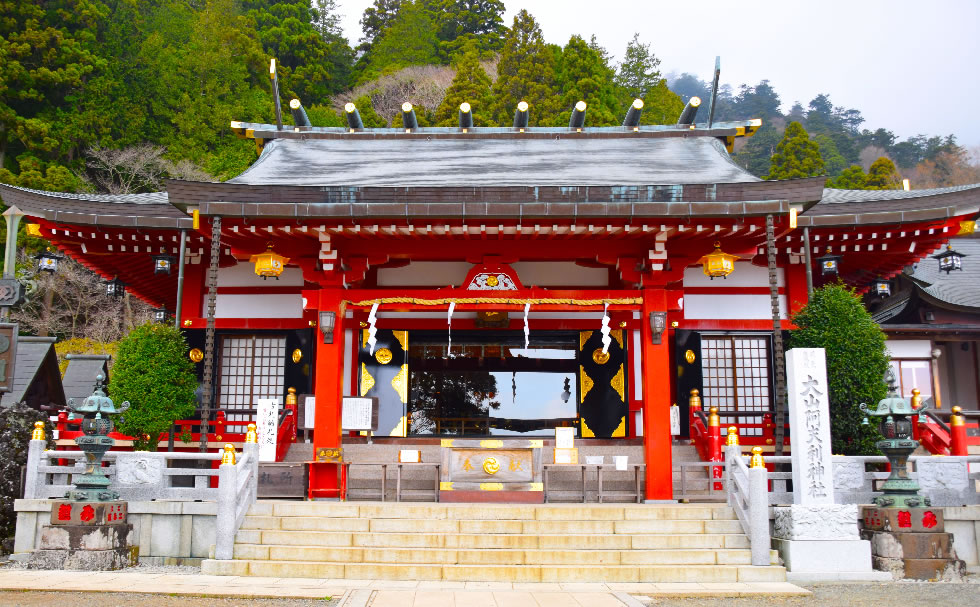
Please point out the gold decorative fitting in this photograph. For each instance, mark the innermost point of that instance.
(217, 437)
(618, 383)
(768, 441)
(492, 280)
(312, 323)
(38, 432)
(269, 264)
(383, 356)
(718, 264)
(491, 486)
(694, 401)
(228, 457)
(367, 380)
(297, 355)
(586, 381)
(713, 419)
(674, 324)
(363, 324)
(622, 324)
(188, 322)
(400, 383)
(600, 357)
(34, 229)
(445, 486)
(491, 466)
(916, 400)
(491, 443)
(690, 357)
(291, 396)
(732, 439)
(756, 460)
(956, 419)
(251, 434)
(196, 355)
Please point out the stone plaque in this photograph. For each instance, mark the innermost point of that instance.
(8, 355)
(809, 422)
(137, 468)
(903, 520)
(283, 479)
(92, 513)
(11, 292)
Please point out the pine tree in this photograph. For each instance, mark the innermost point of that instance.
(462, 22)
(410, 39)
(796, 156)
(883, 175)
(638, 72)
(851, 178)
(472, 85)
(376, 20)
(583, 74)
(660, 105)
(526, 72)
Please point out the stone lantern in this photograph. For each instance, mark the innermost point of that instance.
(93, 486)
(897, 415)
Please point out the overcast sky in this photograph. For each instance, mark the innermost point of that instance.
(907, 65)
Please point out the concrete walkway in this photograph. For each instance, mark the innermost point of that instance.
(371, 593)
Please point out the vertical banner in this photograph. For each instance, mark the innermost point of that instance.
(267, 424)
(809, 425)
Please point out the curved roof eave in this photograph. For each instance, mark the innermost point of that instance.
(850, 207)
(152, 210)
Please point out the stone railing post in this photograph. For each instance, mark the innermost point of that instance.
(759, 508)
(252, 451)
(225, 523)
(34, 479)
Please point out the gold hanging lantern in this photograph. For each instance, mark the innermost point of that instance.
(269, 264)
(718, 264)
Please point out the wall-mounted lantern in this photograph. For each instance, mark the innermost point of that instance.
(269, 264)
(658, 323)
(327, 320)
(829, 264)
(950, 260)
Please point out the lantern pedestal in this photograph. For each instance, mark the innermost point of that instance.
(84, 536)
(911, 543)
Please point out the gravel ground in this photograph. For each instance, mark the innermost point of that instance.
(895, 594)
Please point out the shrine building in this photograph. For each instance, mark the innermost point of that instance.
(461, 276)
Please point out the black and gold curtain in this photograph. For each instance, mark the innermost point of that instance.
(384, 375)
(602, 386)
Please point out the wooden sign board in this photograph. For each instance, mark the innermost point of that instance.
(359, 413)
(8, 355)
(564, 438)
(409, 456)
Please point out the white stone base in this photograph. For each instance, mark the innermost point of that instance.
(838, 576)
(827, 560)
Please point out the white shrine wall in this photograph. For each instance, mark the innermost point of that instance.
(255, 303)
(701, 304)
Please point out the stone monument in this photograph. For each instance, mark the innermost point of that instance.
(88, 529)
(818, 539)
(906, 534)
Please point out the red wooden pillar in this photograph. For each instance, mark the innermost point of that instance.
(796, 295)
(957, 433)
(656, 402)
(328, 385)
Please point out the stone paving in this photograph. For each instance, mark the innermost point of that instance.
(374, 593)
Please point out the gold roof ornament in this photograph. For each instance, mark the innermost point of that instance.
(269, 264)
(718, 264)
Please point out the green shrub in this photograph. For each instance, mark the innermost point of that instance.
(153, 373)
(835, 320)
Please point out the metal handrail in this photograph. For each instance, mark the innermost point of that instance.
(702, 417)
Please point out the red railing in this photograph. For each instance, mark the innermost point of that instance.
(187, 432)
(941, 437)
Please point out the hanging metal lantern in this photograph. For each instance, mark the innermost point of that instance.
(115, 288)
(47, 261)
(881, 287)
(269, 264)
(718, 264)
(162, 264)
(950, 260)
(161, 314)
(829, 264)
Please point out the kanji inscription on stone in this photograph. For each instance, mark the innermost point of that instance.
(809, 420)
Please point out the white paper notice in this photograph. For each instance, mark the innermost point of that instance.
(309, 412)
(564, 438)
(267, 424)
(675, 420)
(620, 461)
(356, 413)
(595, 460)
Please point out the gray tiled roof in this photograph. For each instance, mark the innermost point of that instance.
(833, 196)
(79, 379)
(481, 162)
(958, 288)
(131, 210)
(31, 352)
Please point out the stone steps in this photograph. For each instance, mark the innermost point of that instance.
(494, 542)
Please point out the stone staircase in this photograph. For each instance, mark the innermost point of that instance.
(494, 542)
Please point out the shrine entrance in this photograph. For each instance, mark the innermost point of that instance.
(491, 383)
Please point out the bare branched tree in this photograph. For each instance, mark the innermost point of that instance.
(135, 169)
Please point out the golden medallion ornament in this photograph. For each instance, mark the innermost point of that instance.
(690, 357)
(492, 281)
(491, 466)
(297, 355)
(196, 355)
(600, 357)
(383, 356)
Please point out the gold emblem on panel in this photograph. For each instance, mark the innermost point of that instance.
(383, 356)
(297, 355)
(690, 357)
(600, 357)
(587, 382)
(400, 383)
(492, 281)
(196, 355)
(367, 380)
(491, 466)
